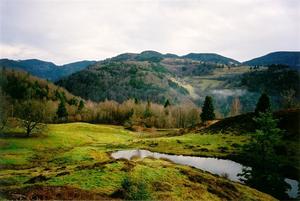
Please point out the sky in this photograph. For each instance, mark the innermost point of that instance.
(64, 31)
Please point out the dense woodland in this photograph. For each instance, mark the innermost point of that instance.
(121, 81)
(277, 79)
(60, 106)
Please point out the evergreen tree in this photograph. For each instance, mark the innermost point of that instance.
(73, 101)
(62, 112)
(4, 105)
(263, 105)
(167, 103)
(207, 109)
(81, 105)
(136, 101)
(264, 173)
(147, 112)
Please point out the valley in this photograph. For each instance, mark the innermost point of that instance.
(139, 100)
(59, 136)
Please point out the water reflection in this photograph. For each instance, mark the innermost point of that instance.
(294, 187)
(213, 165)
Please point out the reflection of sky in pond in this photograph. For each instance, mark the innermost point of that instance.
(293, 191)
(213, 165)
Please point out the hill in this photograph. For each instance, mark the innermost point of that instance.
(291, 59)
(275, 80)
(147, 75)
(43, 69)
(154, 56)
(157, 77)
(211, 57)
(17, 87)
(288, 121)
(121, 81)
(288, 150)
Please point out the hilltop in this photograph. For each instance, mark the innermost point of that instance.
(44, 69)
(121, 81)
(157, 56)
(291, 59)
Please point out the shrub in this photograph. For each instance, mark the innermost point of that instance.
(135, 190)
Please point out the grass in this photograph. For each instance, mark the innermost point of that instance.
(65, 140)
(76, 156)
(104, 179)
(195, 144)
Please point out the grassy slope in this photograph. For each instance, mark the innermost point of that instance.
(289, 152)
(194, 144)
(76, 155)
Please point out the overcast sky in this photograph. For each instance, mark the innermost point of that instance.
(64, 31)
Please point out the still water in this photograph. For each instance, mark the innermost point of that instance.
(213, 165)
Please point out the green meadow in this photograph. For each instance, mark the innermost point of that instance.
(77, 156)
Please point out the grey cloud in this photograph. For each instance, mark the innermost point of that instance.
(65, 30)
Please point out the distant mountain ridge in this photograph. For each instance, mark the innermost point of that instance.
(154, 56)
(44, 69)
(211, 57)
(191, 64)
(289, 58)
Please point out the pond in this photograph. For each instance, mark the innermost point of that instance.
(213, 165)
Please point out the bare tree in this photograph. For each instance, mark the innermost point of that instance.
(289, 98)
(235, 107)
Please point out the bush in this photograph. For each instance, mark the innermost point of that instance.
(135, 190)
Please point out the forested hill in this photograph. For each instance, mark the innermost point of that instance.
(156, 57)
(158, 77)
(291, 59)
(43, 69)
(121, 81)
(19, 86)
(53, 72)
(211, 57)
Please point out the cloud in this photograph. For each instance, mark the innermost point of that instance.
(63, 30)
(23, 52)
